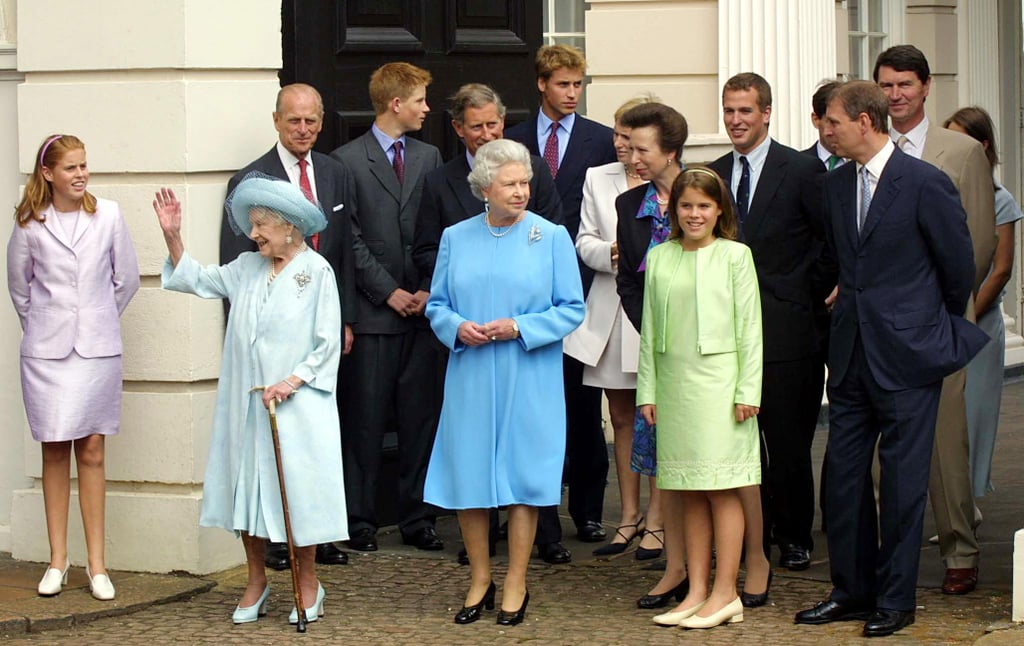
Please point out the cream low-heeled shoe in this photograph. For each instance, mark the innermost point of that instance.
(674, 618)
(731, 613)
(251, 613)
(100, 586)
(53, 581)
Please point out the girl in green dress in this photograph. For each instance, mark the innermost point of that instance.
(700, 379)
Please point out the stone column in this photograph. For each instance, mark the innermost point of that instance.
(182, 98)
(792, 43)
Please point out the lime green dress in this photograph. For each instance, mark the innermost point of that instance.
(700, 355)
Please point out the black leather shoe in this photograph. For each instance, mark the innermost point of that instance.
(328, 554)
(424, 538)
(591, 532)
(364, 540)
(463, 557)
(828, 611)
(652, 601)
(554, 553)
(756, 600)
(506, 618)
(794, 557)
(885, 622)
(469, 614)
(276, 556)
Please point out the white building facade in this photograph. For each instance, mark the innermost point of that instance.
(182, 99)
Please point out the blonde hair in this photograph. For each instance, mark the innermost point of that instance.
(395, 80)
(551, 58)
(640, 99)
(38, 193)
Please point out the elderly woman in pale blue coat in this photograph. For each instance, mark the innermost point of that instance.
(283, 332)
(505, 291)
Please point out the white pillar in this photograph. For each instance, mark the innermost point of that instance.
(792, 43)
(182, 98)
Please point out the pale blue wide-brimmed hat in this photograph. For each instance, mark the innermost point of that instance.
(279, 196)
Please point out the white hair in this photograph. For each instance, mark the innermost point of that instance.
(491, 157)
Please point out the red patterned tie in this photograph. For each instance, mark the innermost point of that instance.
(398, 162)
(307, 190)
(551, 149)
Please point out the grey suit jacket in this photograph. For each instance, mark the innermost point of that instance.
(383, 227)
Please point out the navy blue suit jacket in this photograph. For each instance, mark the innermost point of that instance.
(904, 280)
(786, 235)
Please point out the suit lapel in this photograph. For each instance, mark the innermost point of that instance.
(768, 183)
(575, 154)
(413, 167)
(457, 182)
(847, 195)
(381, 167)
(886, 191)
(324, 192)
(51, 224)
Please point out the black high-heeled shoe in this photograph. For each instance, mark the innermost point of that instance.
(652, 601)
(469, 614)
(612, 548)
(645, 553)
(506, 618)
(757, 600)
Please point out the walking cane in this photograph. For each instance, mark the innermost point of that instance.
(301, 609)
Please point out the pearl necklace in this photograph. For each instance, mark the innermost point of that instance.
(272, 273)
(629, 173)
(487, 221)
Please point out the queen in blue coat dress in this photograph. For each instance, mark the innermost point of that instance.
(505, 291)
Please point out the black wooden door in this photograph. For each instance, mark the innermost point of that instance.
(334, 45)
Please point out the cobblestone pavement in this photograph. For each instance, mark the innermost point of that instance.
(401, 596)
(389, 598)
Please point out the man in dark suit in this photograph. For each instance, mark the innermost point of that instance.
(570, 144)
(298, 118)
(393, 377)
(777, 191)
(478, 116)
(905, 271)
(824, 148)
(904, 75)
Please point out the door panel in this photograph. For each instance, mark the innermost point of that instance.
(335, 45)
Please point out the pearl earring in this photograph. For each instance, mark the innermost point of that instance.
(288, 239)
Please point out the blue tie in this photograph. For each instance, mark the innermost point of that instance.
(865, 198)
(743, 191)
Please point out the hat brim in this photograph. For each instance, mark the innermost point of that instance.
(279, 196)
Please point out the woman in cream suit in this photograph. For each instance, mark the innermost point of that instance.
(607, 343)
(71, 271)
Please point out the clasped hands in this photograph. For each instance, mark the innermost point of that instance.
(473, 334)
(407, 304)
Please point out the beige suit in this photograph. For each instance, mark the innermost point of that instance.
(949, 487)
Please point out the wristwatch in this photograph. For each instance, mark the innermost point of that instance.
(515, 328)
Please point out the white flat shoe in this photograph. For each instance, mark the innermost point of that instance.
(53, 581)
(674, 618)
(100, 586)
(731, 613)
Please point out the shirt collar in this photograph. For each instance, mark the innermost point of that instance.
(385, 141)
(288, 159)
(544, 123)
(877, 163)
(916, 136)
(755, 157)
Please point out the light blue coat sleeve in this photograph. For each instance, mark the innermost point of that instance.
(538, 329)
(189, 277)
(444, 320)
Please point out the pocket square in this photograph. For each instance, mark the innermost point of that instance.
(337, 207)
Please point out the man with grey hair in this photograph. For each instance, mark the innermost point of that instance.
(478, 116)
